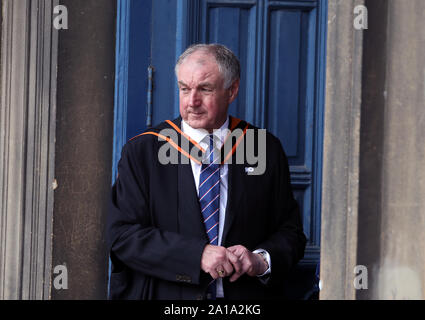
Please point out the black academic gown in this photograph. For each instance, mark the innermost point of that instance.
(155, 232)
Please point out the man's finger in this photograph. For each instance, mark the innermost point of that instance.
(231, 256)
(237, 264)
(214, 274)
(228, 268)
(232, 248)
(235, 249)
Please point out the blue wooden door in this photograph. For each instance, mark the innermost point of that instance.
(281, 47)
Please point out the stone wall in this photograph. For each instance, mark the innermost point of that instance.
(373, 210)
(392, 189)
(84, 146)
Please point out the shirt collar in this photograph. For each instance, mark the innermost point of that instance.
(199, 134)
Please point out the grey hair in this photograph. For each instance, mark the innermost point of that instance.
(228, 64)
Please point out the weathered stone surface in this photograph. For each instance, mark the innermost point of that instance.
(84, 146)
(385, 231)
(396, 266)
(341, 152)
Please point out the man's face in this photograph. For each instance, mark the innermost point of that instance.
(203, 99)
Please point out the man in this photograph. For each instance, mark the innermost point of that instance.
(204, 228)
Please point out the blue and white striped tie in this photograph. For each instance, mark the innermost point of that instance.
(209, 199)
(209, 194)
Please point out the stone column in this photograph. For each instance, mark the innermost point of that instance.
(373, 177)
(392, 180)
(27, 139)
(341, 152)
(86, 65)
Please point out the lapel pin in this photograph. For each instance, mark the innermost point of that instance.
(249, 169)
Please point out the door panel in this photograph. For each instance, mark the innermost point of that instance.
(240, 37)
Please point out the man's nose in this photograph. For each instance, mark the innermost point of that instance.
(194, 98)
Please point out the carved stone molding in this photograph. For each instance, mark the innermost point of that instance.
(27, 139)
(341, 151)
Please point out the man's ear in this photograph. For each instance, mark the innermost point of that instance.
(233, 90)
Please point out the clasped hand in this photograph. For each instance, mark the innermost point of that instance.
(233, 261)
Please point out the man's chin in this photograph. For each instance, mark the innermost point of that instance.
(197, 123)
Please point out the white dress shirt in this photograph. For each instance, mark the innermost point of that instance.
(201, 137)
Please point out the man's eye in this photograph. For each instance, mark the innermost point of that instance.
(206, 89)
(184, 89)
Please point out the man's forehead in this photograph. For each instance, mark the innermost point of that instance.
(199, 81)
(200, 57)
(202, 68)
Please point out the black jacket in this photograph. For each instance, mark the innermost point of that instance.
(155, 232)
